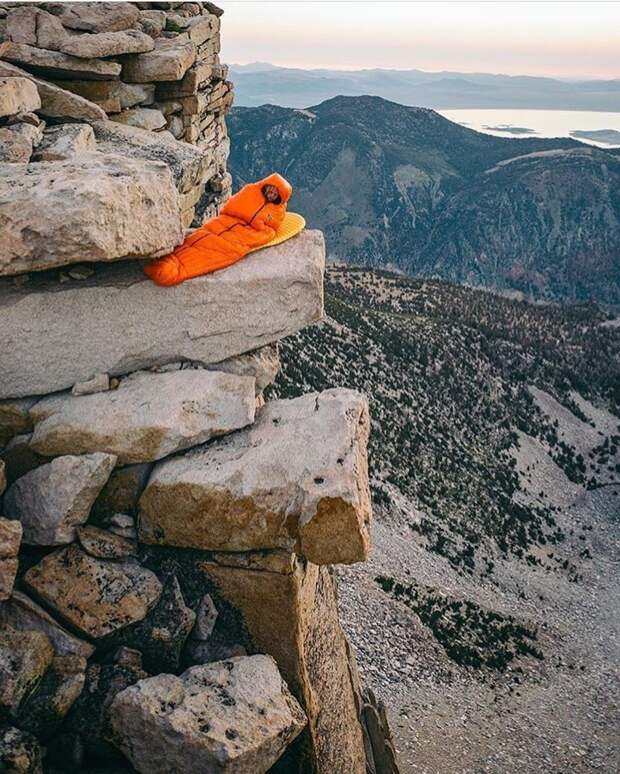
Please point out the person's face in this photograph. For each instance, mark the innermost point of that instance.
(271, 193)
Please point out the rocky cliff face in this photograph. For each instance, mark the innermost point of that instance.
(404, 188)
(166, 598)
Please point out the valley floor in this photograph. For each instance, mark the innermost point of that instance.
(560, 715)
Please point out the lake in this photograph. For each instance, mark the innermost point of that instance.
(540, 123)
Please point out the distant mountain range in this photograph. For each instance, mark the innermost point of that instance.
(405, 188)
(261, 83)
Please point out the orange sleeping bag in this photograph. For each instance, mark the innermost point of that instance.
(247, 221)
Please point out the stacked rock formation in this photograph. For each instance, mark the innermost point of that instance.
(166, 602)
(151, 66)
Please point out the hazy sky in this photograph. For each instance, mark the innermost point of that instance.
(571, 39)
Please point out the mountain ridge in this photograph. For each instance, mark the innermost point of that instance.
(404, 187)
(259, 83)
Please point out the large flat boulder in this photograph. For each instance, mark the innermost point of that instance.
(296, 479)
(148, 417)
(55, 63)
(54, 499)
(95, 596)
(102, 44)
(57, 102)
(235, 716)
(122, 322)
(95, 207)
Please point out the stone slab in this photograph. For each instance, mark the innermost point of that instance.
(122, 322)
(57, 64)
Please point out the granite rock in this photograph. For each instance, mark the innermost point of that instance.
(95, 596)
(148, 417)
(52, 500)
(230, 716)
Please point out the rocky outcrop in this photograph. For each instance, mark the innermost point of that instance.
(140, 626)
(296, 479)
(229, 716)
(224, 314)
(149, 416)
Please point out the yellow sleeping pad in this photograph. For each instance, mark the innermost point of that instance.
(292, 224)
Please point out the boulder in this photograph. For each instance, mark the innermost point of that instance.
(95, 16)
(34, 27)
(18, 95)
(51, 501)
(17, 143)
(94, 206)
(161, 635)
(289, 608)
(231, 716)
(22, 614)
(169, 61)
(296, 479)
(65, 142)
(95, 596)
(148, 417)
(121, 322)
(104, 44)
(44, 710)
(189, 165)
(55, 101)
(143, 118)
(55, 63)
(103, 544)
(20, 752)
(10, 539)
(121, 492)
(24, 659)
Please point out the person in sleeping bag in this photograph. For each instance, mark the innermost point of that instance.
(248, 220)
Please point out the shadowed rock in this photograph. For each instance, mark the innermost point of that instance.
(56, 102)
(21, 613)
